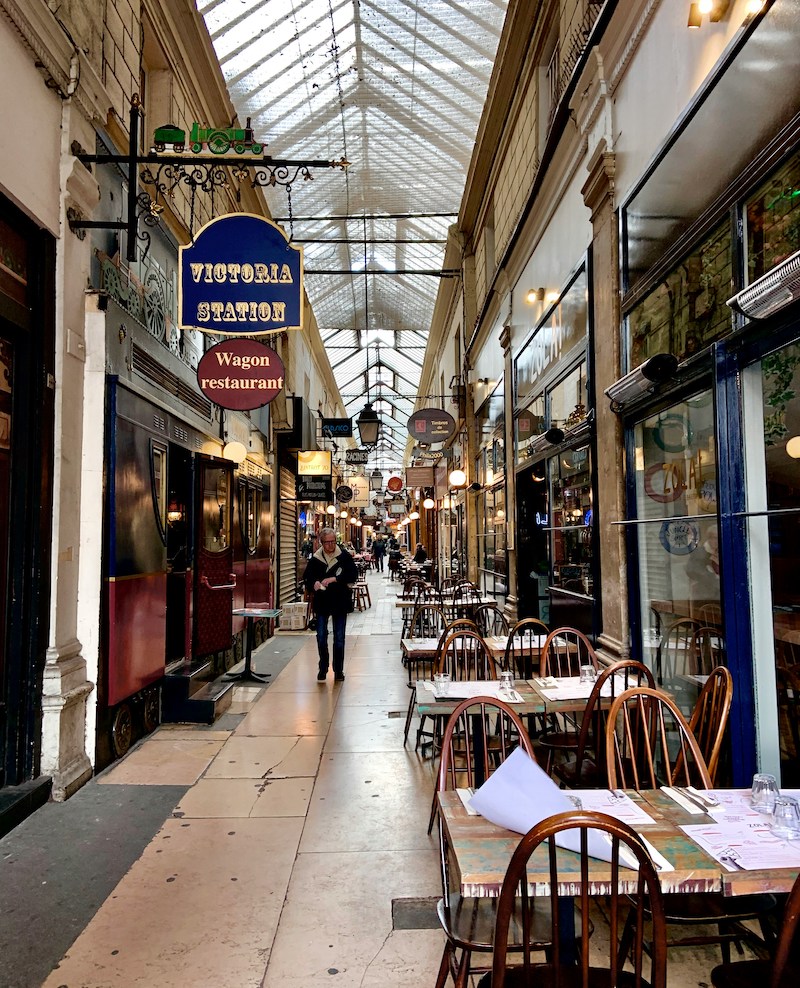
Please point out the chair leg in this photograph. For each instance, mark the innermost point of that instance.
(462, 978)
(626, 940)
(410, 714)
(444, 967)
(434, 811)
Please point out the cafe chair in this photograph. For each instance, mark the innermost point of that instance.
(519, 905)
(480, 734)
(709, 718)
(707, 650)
(564, 652)
(490, 620)
(649, 744)
(466, 601)
(428, 622)
(577, 759)
(460, 624)
(524, 645)
(465, 655)
(782, 970)
(674, 653)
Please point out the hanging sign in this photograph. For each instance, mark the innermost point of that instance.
(360, 487)
(419, 476)
(337, 427)
(313, 462)
(240, 374)
(344, 493)
(431, 425)
(395, 484)
(240, 277)
(356, 455)
(313, 489)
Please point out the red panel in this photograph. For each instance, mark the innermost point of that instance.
(258, 582)
(241, 569)
(137, 625)
(213, 602)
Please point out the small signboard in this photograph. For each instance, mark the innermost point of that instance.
(344, 494)
(240, 374)
(397, 508)
(356, 455)
(431, 425)
(419, 476)
(360, 488)
(313, 489)
(240, 277)
(395, 484)
(334, 428)
(313, 462)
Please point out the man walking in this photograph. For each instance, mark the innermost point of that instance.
(378, 552)
(329, 574)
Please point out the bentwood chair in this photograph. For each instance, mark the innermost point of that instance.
(578, 758)
(710, 717)
(782, 970)
(428, 622)
(565, 651)
(516, 904)
(480, 734)
(650, 744)
(460, 624)
(674, 654)
(490, 620)
(524, 644)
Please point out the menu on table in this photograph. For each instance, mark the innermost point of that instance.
(571, 687)
(614, 803)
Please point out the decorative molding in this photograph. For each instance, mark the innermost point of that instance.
(634, 40)
(598, 188)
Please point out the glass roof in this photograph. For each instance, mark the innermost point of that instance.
(397, 88)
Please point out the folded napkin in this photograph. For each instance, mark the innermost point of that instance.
(519, 794)
(681, 800)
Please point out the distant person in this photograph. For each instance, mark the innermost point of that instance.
(329, 574)
(379, 552)
(307, 548)
(420, 555)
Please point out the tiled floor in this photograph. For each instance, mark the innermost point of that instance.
(280, 863)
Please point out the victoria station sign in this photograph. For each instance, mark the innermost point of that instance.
(240, 277)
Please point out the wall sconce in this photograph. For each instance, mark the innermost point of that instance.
(457, 478)
(428, 503)
(413, 516)
(235, 451)
(715, 9)
(658, 369)
(534, 295)
(695, 17)
(175, 511)
(770, 293)
(343, 513)
(330, 510)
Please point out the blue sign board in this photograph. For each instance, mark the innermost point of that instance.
(241, 276)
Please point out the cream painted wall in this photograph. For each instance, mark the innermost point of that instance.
(29, 153)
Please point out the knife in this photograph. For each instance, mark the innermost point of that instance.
(684, 801)
(696, 800)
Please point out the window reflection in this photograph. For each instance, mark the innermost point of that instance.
(216, 509)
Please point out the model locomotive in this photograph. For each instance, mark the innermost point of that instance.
(217, 140)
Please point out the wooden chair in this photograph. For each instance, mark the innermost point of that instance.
(480, 734)
(673, 657)
(464, 656)
(710, 717)
(523, 647)
(466, 601)
(428, 622)
(460, 624)
(782, 970)
(490, 620)
(583, 765)
(649, 744)
(706, 651)
(516, 901)
(565, 651)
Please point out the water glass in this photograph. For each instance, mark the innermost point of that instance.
(765, 790)
(441, 683)
(786, 818)
(588, 674)
(506, 681)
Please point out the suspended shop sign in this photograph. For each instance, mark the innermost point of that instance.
(240, 277)
(314, 462)
(431, 425)
(395, 484)
(344, 494)
(337, 427)
(360, 487)
(419, 476)
(356, 455)
(240, 374)
(313, 489)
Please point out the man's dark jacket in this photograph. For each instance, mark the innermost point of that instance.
(336, 598)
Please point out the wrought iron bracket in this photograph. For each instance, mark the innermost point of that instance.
(167, 171)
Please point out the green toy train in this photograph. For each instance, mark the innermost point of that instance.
(217, 140)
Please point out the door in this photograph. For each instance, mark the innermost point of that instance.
(214, 575)
(6, 381)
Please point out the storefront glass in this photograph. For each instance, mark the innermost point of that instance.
(773, 220)
(677, 536)
(492, 543)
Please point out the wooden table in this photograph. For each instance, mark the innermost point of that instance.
(410, 602)
(422, 649)
(428, 706)
(481, 852)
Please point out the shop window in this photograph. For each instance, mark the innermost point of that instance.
(216, 510)
(492, 542)
(568, 400)
(528, 425)
(773, 220)
(678, 545)
(687, 310)
(571, 520)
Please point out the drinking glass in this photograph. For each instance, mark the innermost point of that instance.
(786, 818)
(506, 681)
(441, 682)
(588, 674)
(765, 789)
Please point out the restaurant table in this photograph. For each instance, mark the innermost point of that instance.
(410, 602)
(481, 852)
(251, 614)
(427, 705)
(421, 649)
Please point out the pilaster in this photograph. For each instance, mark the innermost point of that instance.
(512, 600)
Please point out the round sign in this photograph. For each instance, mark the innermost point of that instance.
(431, 425)
(240, 374)
(344, 493)
(394, 484)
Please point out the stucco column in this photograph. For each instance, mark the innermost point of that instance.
(510, 608)
(598, 194)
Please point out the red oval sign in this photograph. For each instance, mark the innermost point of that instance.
(394, 484)
(240, 374)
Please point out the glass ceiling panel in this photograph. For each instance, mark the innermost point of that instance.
(397, 88)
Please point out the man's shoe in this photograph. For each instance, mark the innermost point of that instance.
(321, 676)
(339, 678)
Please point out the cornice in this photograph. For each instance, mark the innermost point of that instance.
(634, 35)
